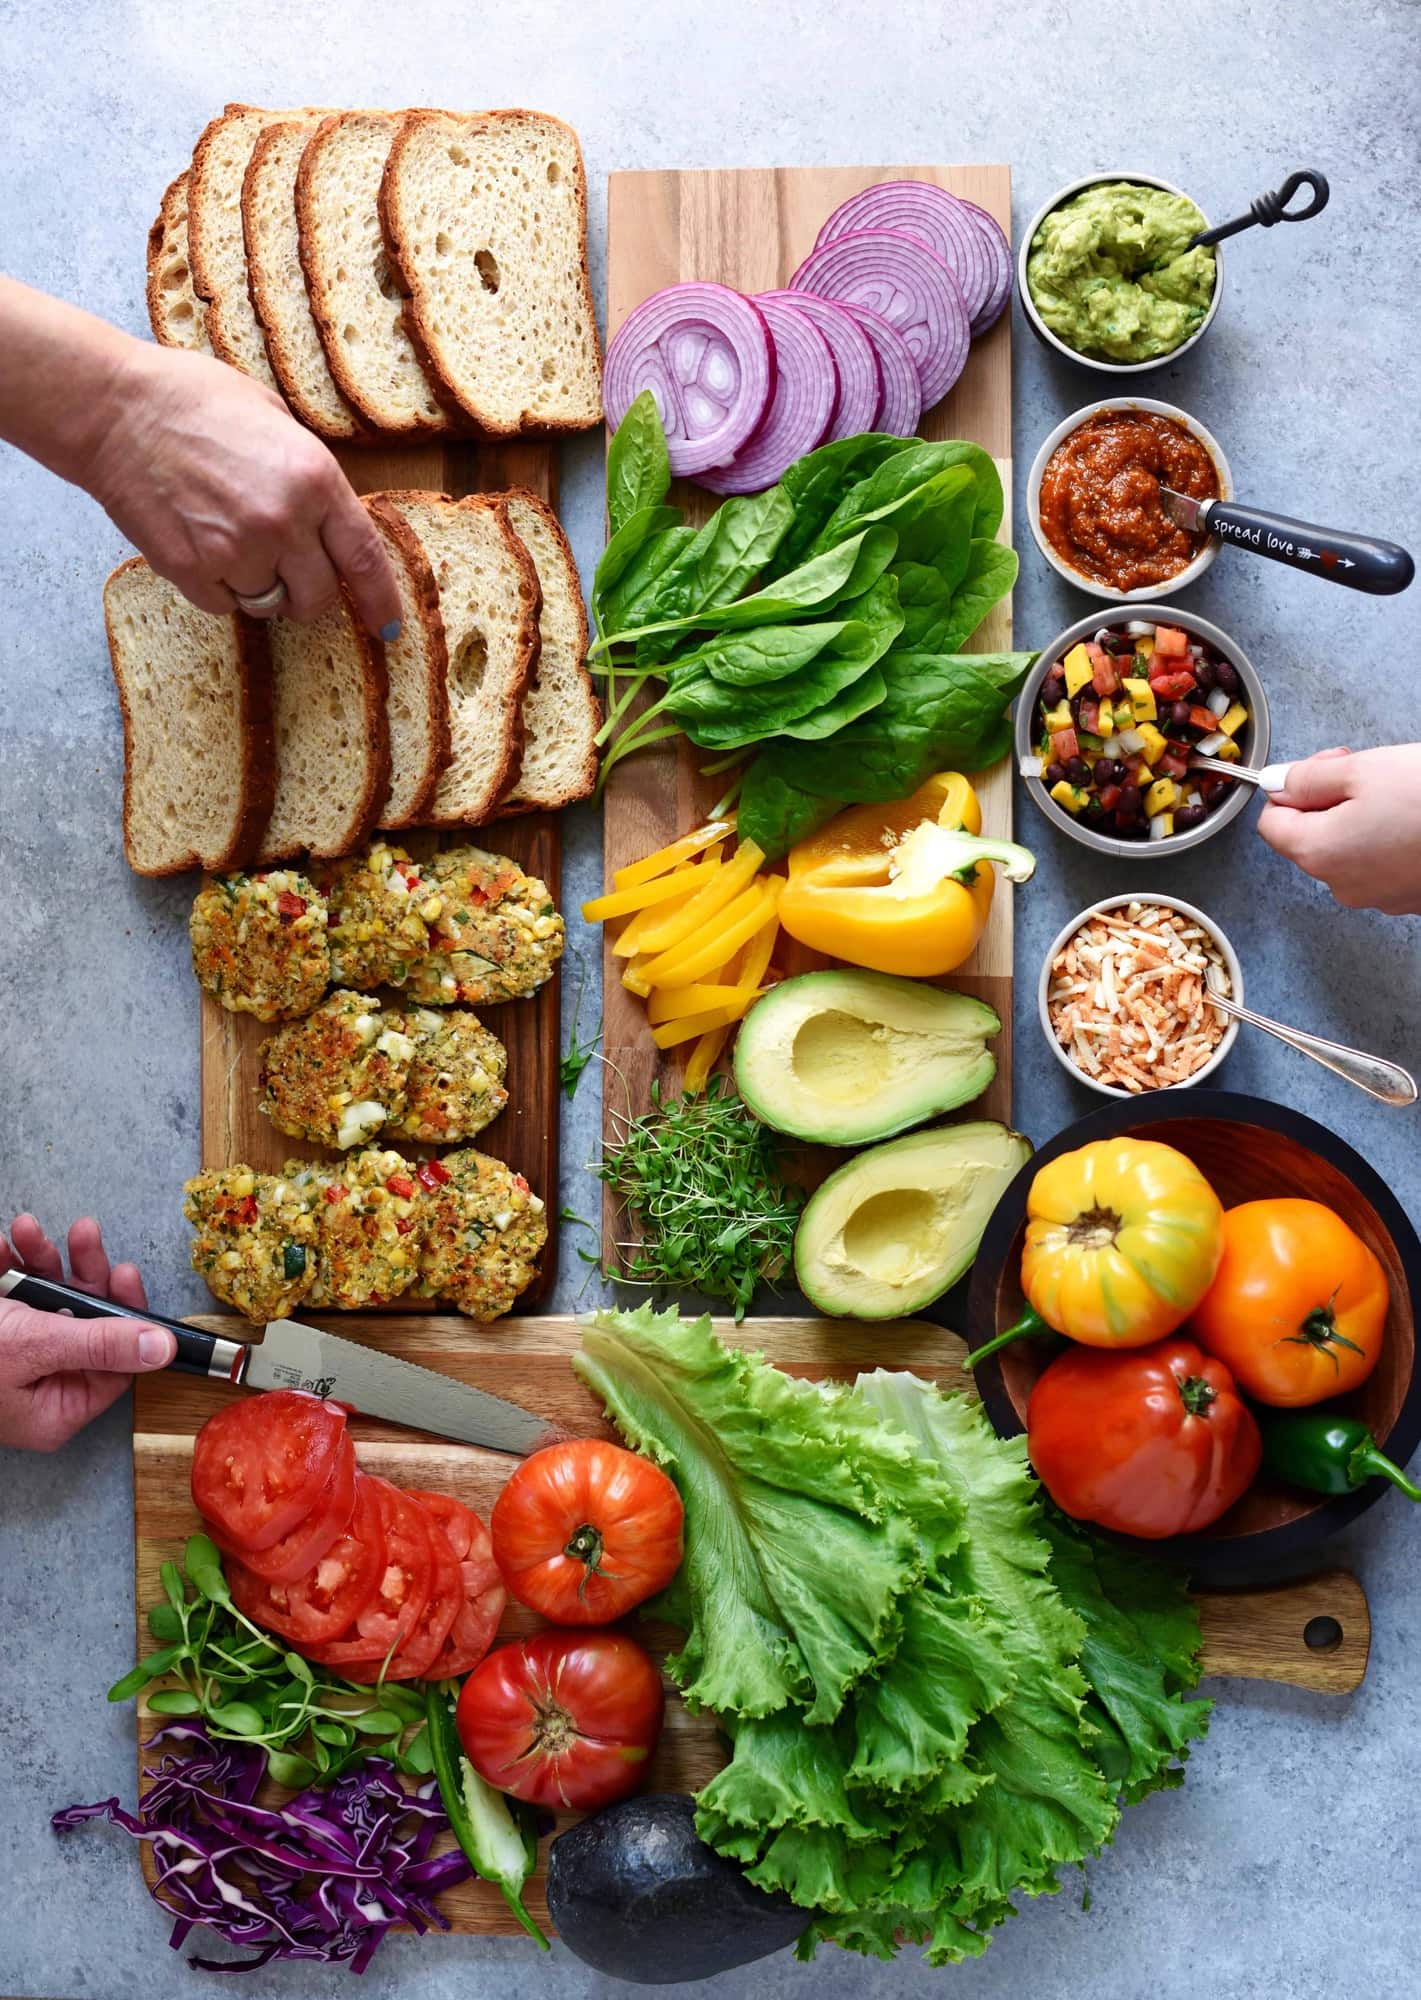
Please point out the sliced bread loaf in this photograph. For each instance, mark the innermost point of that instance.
(332, 736)
(417, 666)
(175, 312)
(485, 217)
(278, 285)
(561, 712)
(354, 298)
(488, 601)
(215, 246)
(196, 696)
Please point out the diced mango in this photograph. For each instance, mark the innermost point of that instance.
(1059, 717)
(1144, 647)
(1078, 670)
(1070, 796)
(1154, 743)
(1142, 700)
(1163, 796)
(1228, 753)
(1233, 719)
(1105, 721)
(1124, 713)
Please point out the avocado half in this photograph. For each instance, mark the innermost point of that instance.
(841, 1058)
(896, 1226)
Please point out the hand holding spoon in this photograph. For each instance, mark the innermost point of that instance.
(1384, 1080)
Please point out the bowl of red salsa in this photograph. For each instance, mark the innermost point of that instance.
(1093, 498)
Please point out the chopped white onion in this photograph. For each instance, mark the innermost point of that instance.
(1157, 828)
(1138, 629)
(1218, 702)
(1032, 767)
(1131, 742)
(1209, 746)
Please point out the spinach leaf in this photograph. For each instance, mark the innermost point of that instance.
(991, 572)
(936, 526)
(727, 718)
(627, 543)
(855, 700)
(817, 482)
(638, 469)
(774, 813)
(735, 544)
(766, 653)
(895, 482)
(629, 603)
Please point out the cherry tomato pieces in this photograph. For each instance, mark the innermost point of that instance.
(326, 1601)
(584, 1530)
(309, 1540)
(1149, 1441)
(1298, 1308)
(391, 1614)
(565, 1720)
(259, 1466)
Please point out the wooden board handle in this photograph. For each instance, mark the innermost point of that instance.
(1314, 1633)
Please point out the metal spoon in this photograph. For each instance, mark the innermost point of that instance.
(1380, 1079)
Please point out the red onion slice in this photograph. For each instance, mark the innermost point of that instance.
(901, 280)
(706, 355)
(999, 257)
(901, 404)
(860, 378)
(936, 218)
(797, 415)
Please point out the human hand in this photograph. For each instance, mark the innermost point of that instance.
(58, 1373)
(1352, 819)
(209, 474)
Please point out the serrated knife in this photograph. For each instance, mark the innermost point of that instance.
(290, 1355)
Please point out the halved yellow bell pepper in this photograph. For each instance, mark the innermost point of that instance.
(902, 888)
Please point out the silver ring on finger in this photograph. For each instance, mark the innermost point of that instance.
(265, 602)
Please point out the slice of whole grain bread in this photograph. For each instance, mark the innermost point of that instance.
(332, 735)
(196, 695)
(215, 247)
(278, 284)
(485, 219)
(489, 603)
(561, 712)
(175, 312)
(354, 297)
(417, 665)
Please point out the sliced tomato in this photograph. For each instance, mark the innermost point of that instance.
(477, 1619)
(327, 1600)
(392, 1612)
(425, 1640)
(458, 1521)
(309, 1540)
(260, 1466)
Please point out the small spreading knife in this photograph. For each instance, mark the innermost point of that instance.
(1358, 561)
(292, 1356)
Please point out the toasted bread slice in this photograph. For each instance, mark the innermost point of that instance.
(332, 735)
(417, 664)
(215, 247)
(561, 712)
(278, 284)
(354, 298)
(175, 312)
(196, 696)
(485, 218)
(489, 603)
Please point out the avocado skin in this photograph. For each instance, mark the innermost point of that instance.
(634, 1892)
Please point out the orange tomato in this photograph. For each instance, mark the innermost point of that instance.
(1299, 1304)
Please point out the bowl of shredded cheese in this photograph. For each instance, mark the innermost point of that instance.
(1124, 995)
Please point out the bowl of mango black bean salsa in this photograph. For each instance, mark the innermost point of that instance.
(1113, 720)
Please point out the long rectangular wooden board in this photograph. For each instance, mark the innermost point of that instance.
(526, 1132)
(527, 1360)
(750, 228)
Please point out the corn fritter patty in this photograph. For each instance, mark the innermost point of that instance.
(370, 1221)
(494, 933)
(378, 932)
(456, 1079)
(259, 943)
(338, 1077)
(256, 1240)
(486, 1229)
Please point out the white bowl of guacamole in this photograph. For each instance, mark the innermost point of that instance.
(1105, 277)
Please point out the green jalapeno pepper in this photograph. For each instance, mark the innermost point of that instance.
(495, 1832)
(1326, 1452)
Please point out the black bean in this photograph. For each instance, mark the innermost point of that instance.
(1054, 774)
(1226, 677)
(1078, 771)
(1130, 801)
(1204, 673)
(1179, 714)
(1107, 771)
(1119, 642)
(1187, 816)
(1053, 687)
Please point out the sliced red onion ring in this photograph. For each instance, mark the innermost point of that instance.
(797, 416)
(706, 355)
(999, 257)
(932, 215)
(901, 404)
(901, 280)
(860, 378)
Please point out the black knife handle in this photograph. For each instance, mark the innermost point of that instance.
(1358, 561)
(198, 1353)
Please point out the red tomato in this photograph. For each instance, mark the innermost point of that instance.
(460, 1523)
(391, 1614)
(310, 1539)
(477, 1618)
(585, 1530)
(565, 1720)
(1149, 1441)
(425, 1639)
(324, 1603)
(259, 1466)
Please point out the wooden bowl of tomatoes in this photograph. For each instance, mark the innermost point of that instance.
(1250, 1151)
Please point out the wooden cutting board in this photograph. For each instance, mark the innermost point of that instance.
(1256, 1635)
(526, 1133)
(751, 228)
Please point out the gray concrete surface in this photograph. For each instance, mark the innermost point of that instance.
(1287, 1866)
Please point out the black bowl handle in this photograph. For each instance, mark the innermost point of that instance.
(1271, 208)
(1358, 561)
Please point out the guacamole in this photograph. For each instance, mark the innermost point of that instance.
(1110, 276)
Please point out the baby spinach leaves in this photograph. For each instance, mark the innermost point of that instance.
(638, 469)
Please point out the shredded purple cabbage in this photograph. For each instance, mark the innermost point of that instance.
(323, 1876)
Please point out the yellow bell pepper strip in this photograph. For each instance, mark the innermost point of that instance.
(714, 943)
(900, 888)
(645, 896)
(679, 1003)
(717, 895)
(667, 858)
(628, 941)
(672, 1033)
(703, 1060)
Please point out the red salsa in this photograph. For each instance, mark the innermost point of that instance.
(1100, 504)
